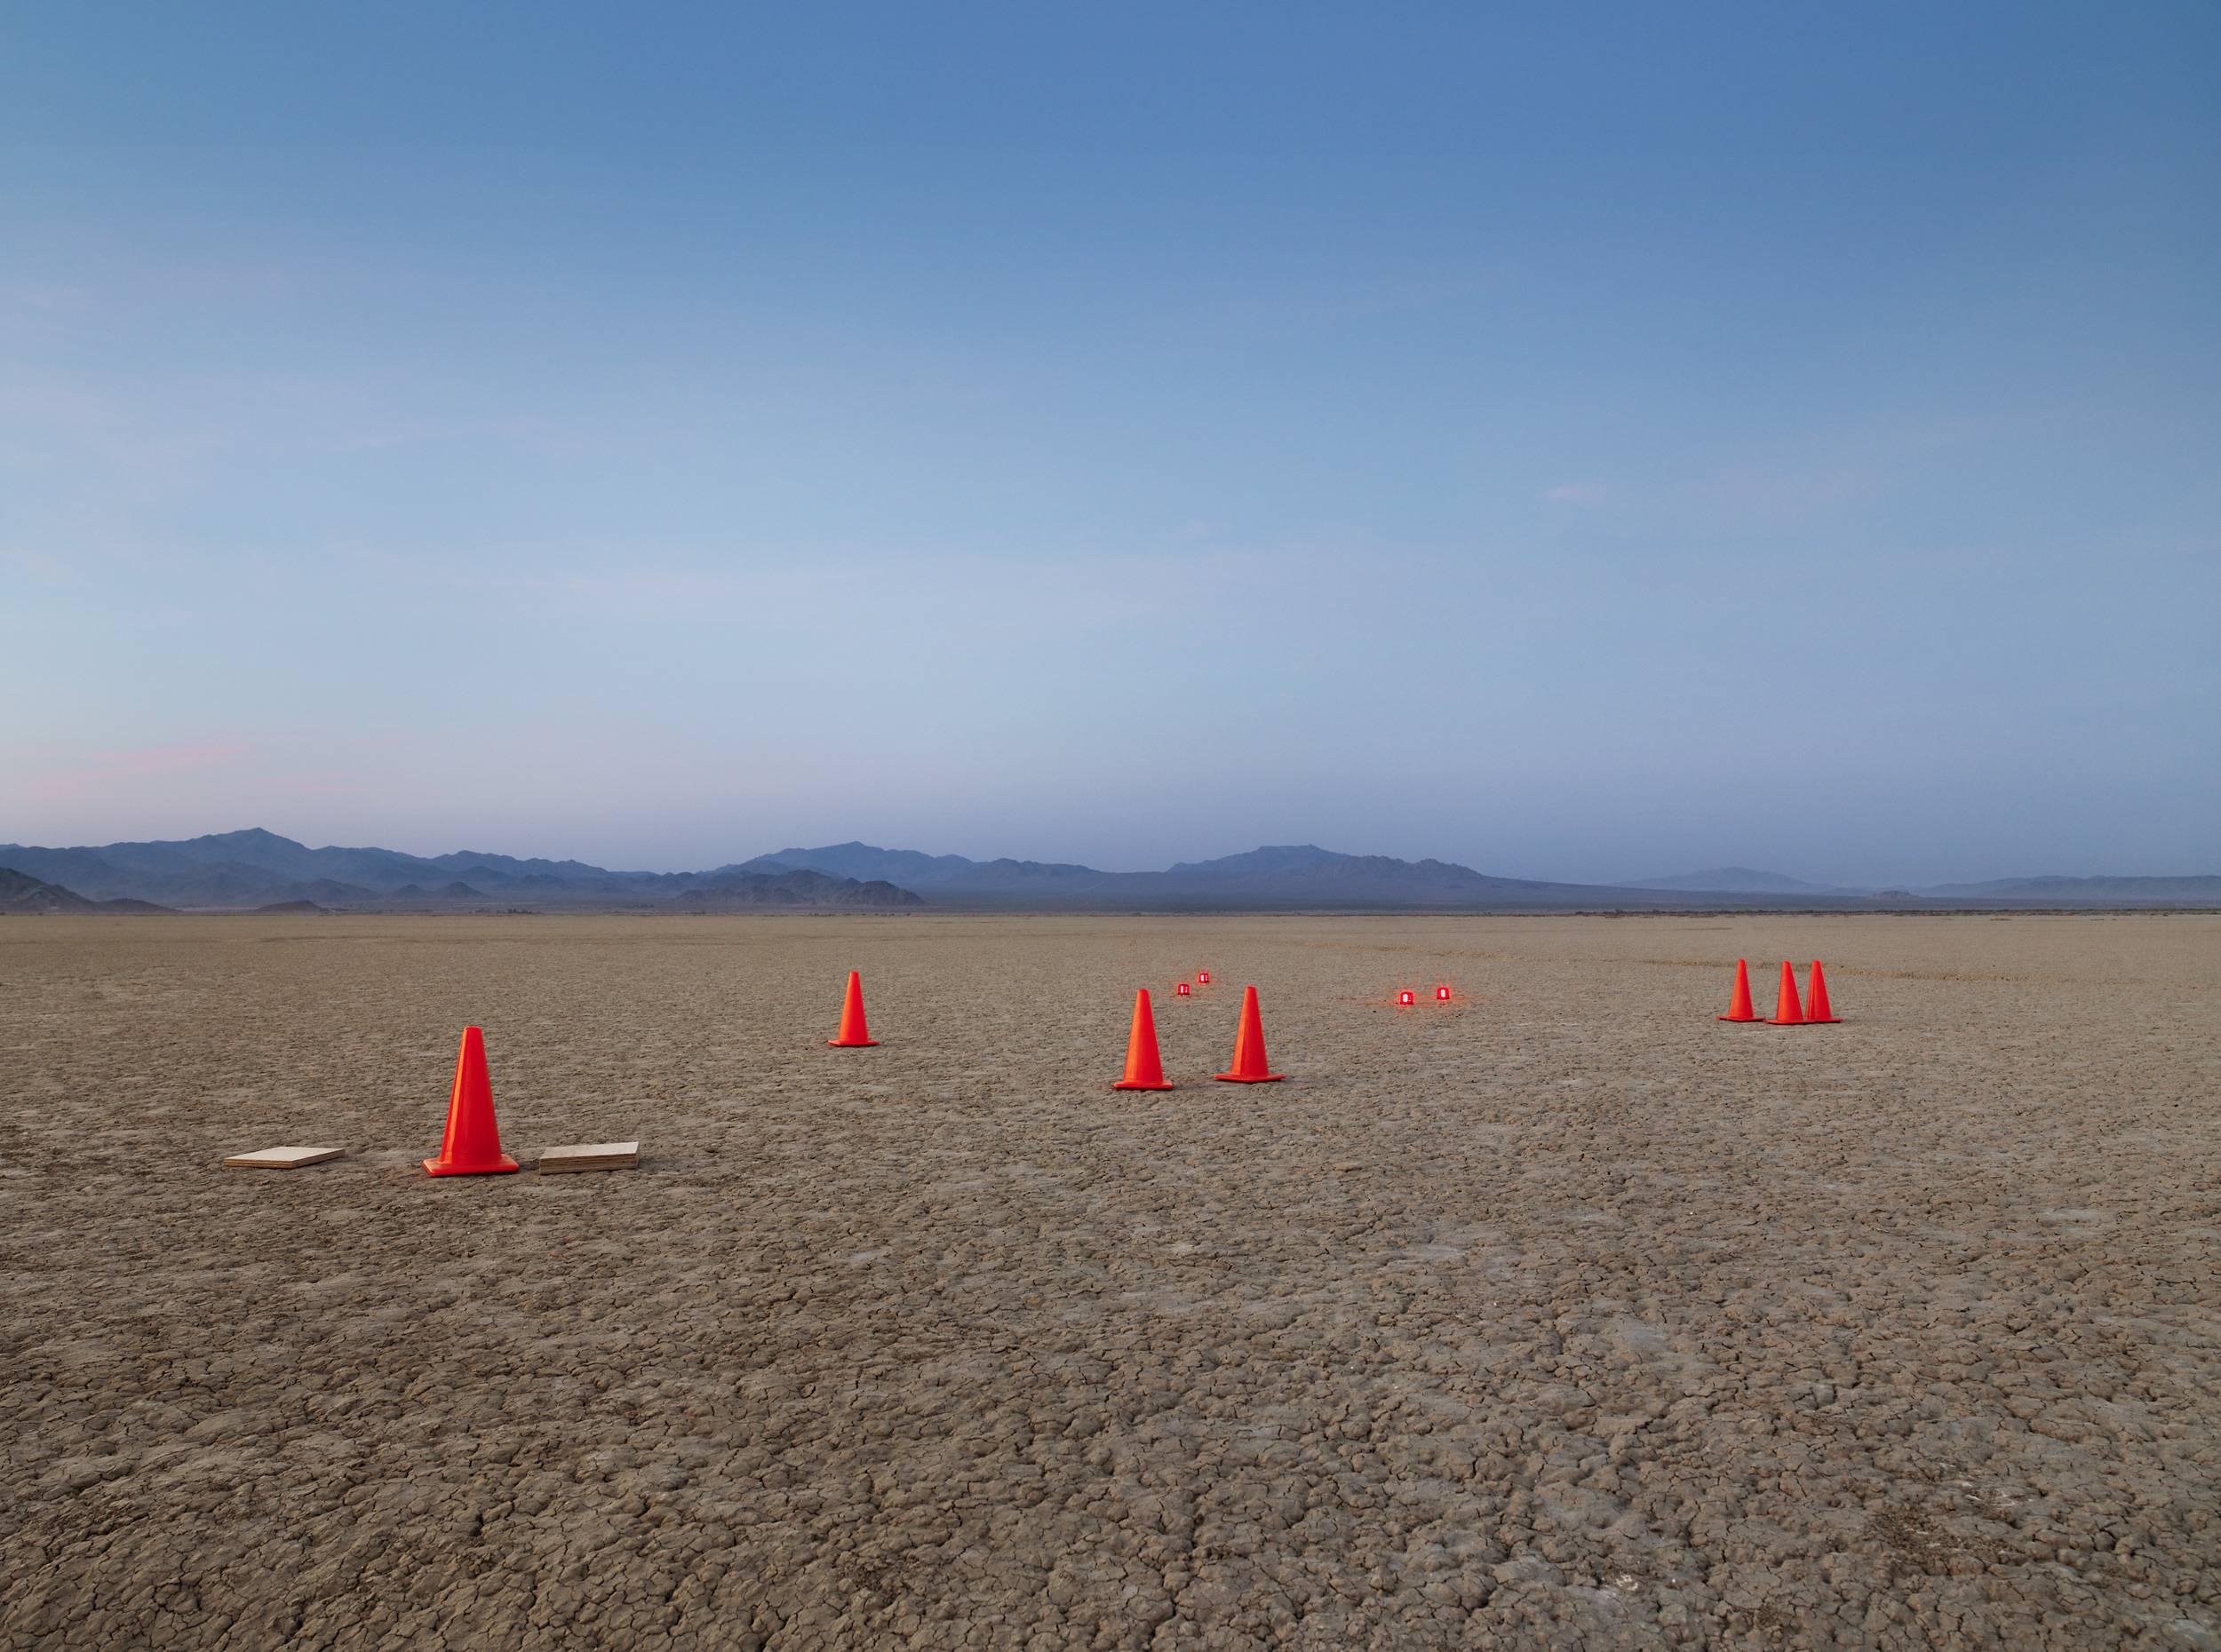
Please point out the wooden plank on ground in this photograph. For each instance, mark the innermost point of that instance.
(282, 1158)
(591, 1155)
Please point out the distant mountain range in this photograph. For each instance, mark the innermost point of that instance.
(252, 870)
(19, 894)
(732, 891)
(2053, 891)
(1740, 880)
(1300, 877)
(246, 871)
(2192, 890)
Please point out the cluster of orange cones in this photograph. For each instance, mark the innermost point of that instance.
(471, 1146)
(1790, 1009)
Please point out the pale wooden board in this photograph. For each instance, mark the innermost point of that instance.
(591, 1155)
(283, 1158)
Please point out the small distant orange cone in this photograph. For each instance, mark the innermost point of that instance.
(471, 1146)
(854, 1034)
(1788, 1011)
(1249, 1047)
(1144, 1070)
(1821, 1010)
(1739, 1007)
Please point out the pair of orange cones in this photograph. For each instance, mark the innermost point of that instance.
(471, 1146)
(1789, 1011)
(1145, 1071)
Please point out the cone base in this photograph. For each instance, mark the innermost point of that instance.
(1123, 1084)
(1815, 1021)
(1806, 1021)
(1249, 1078)
(1738, 1019)
(852, 1043)
(501, 1166)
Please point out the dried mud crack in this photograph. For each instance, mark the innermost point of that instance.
(1559, 1314)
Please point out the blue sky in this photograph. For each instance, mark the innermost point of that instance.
(1579, 442)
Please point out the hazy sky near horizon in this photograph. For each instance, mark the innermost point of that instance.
(1579, 442)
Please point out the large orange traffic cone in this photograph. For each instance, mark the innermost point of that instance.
(1144, 1070)
(854, 1034)
(1739, 1007)
(1820, 1010)
(471, 1146)
(1249, 1047)
(1788, 1011)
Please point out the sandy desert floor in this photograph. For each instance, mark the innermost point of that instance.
(1562, 1314)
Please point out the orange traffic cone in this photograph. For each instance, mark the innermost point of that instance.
(1144, 1070)
(471, 1146)
(1739, 1007)
(1249, 1047)
(1788, 1011)
(1820, 1010)
(854, 1034)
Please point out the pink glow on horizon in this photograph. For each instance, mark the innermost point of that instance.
(101, 769)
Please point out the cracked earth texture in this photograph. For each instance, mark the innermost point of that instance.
(1559, 1314)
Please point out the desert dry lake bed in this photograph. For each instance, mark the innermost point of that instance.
(1560, 1314)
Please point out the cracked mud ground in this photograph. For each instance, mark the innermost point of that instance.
(1561, 1315)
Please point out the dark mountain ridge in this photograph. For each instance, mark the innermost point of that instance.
(23, 895)
(1741, 880)
(737, 891)
(243, 869)
(2190, 890)
(914, 870)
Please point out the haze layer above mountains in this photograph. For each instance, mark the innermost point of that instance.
(255, 868)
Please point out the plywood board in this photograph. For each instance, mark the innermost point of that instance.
(591, 1155)
(282, 1158)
